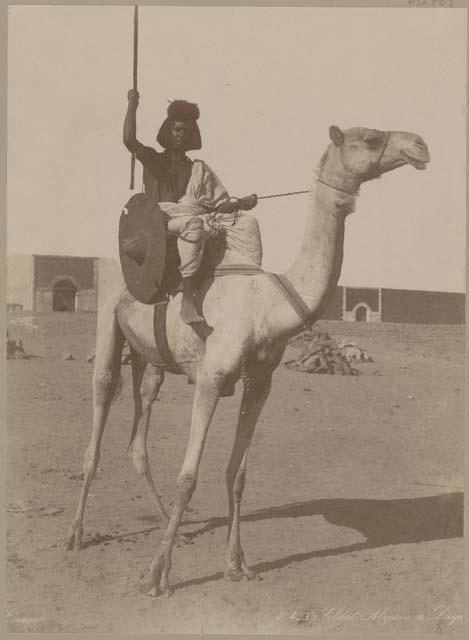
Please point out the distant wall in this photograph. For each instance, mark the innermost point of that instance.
(334, 309)
(86, 300)
(428, 307)
(49, 267)
(398, 305)
(356, 296)
(20, 281)
(110, 279)
(362, 303)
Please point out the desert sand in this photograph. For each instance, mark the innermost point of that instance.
(353, 507)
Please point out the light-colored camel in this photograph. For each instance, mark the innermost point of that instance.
(252, 321)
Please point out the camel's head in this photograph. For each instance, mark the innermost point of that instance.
(368, 153)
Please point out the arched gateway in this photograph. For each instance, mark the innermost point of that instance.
(361, 313)
(64, 296)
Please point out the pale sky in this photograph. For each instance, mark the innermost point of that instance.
(269, 82)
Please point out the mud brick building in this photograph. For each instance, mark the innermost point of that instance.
(58, 283)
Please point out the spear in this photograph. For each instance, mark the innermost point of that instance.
(132, 159)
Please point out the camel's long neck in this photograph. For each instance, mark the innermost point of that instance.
(316, 270)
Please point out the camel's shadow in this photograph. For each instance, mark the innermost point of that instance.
(381, 522)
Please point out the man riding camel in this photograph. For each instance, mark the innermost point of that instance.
(195, 203)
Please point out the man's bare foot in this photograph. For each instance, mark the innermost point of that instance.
(189, 313)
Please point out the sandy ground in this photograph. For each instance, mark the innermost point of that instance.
(352, 511)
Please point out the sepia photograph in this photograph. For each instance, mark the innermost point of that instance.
(235, 312)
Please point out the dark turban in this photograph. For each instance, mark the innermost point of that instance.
(181, 111)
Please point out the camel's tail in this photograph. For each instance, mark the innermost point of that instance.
(134, 360)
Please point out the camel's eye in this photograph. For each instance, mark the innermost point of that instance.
(373, 140)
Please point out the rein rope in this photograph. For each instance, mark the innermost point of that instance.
(281, 195)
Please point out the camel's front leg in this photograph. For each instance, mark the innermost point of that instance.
(256, 391)
(205, 401)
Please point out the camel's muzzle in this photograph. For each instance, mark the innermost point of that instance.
(416, 153)
(419, 162)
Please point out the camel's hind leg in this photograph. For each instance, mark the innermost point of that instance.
(147, 381)
(106, 379)
(257, 386)
(210, 379)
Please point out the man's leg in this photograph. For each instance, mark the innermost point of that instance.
(191, 240)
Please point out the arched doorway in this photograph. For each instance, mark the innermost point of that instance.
(64, 296)
(361, 314)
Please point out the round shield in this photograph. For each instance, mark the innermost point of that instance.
(142, 248)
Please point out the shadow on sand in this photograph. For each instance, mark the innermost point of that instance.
(381, 522)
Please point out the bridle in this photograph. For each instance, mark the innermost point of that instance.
(377, 166)
(386, 141)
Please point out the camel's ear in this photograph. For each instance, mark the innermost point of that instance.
(336, 136)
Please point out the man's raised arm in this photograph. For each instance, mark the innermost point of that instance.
(130, 122)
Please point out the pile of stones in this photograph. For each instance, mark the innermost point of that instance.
(323, 354)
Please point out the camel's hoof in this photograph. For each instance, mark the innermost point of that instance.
(250, 575)
(73, 542)
(235, 575)
(183, 539)
(148, 588)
